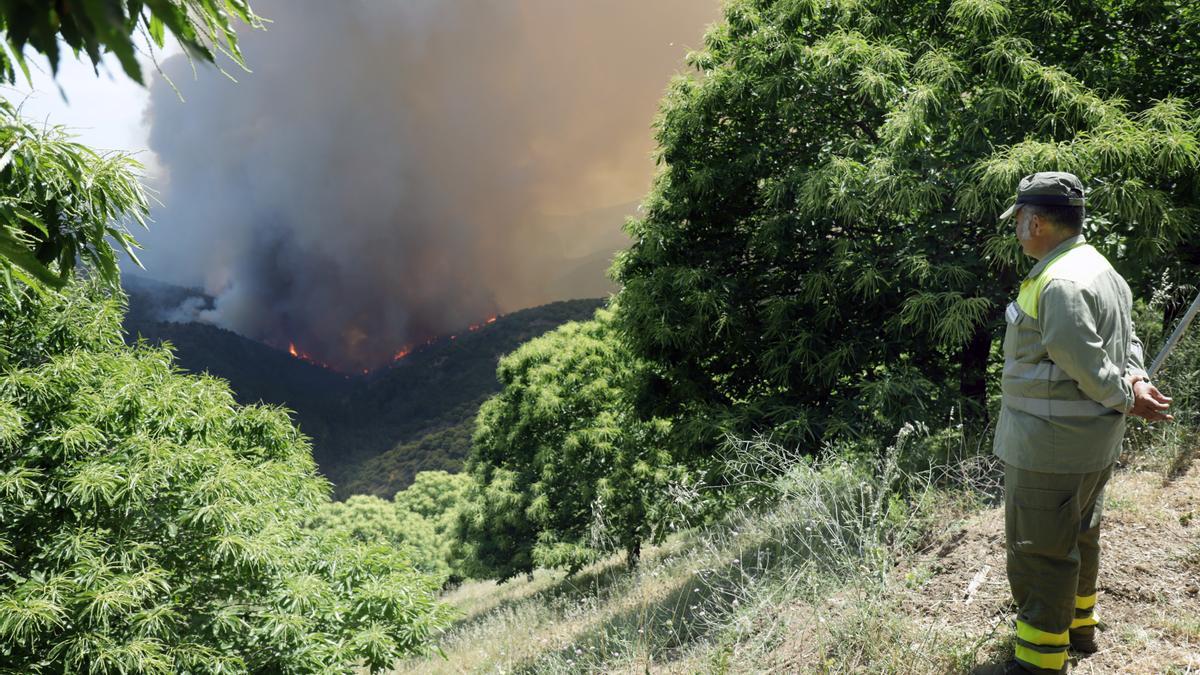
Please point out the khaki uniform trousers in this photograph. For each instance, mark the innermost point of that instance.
(1052, 528)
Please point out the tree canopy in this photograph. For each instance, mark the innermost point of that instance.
(61, 200)
(204, 28)
(820, 254)
(150, 524)
(419, 521)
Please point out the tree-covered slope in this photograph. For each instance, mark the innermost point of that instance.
(255, 371)
(438, 449)
(421, 398)
(372, 433)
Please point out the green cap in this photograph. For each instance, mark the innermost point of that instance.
(1053, 188)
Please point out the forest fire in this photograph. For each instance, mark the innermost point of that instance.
(400, 354)
(303, 356)
(476, 326)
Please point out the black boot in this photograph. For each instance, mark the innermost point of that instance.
(1083, 640)
(1009, 667)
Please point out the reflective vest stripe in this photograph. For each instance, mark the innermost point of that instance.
(1031, 289)
(1046, 371)
(1052, 407)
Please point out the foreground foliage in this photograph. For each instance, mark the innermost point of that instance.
(61, 201)
(150, 524)
(204, 28)
(820, 253)
(563, 471)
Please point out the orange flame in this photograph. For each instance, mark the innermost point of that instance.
(404, 351)
(298, 354)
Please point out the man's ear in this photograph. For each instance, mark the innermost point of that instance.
(1038, 226)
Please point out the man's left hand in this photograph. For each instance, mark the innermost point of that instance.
(1149, 403)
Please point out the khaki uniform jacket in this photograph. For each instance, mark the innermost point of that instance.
(1064, 389)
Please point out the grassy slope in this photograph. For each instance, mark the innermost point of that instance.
(802, 588)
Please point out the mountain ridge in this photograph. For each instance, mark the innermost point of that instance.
(418, 410)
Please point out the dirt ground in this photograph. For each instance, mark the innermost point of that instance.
(1149, 587)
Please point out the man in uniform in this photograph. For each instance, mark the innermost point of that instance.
(1072, 372)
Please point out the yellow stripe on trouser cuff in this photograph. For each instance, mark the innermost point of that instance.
(1085, 611)
(1035, 658)
(1090, 620)
(1040, 637)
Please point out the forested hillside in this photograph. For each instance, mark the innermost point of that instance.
(255, 372)
(371, 433)
(426, 402)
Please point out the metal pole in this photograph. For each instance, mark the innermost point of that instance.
(1174, 339)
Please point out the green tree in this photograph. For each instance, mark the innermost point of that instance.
(150, 524)
(59, 201)
(434, 495)
(437, 497)
(419, 521)
(820, 254)
(563, 470)
(372, 520)
(204, 28)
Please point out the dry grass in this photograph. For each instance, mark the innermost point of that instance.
(847, 572)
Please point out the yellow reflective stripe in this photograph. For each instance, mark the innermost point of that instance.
(1040, 637)
(1085, 621)
(1031, 289)
(1027, 297)
(1085, 601)
(1035, 658)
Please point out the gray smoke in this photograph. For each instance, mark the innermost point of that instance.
(392, 170)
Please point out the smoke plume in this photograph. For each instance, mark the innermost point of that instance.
(392, 170)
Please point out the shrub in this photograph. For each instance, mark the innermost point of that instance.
(149, 523)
